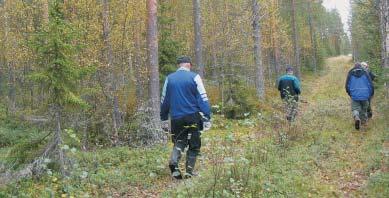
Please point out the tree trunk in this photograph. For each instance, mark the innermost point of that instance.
(10, 65)
(157, 134)
(214, 48)
(275, 42)
(384, 17)
(260, 79)
(214, 62)
(313, 37)
(11, 89)
(45, 12)
(139, 76)
(58, 139)
(198, 36)
(384, 21)
(111, 73)
(296, 47)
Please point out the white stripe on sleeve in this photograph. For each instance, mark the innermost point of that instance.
(201, 88)
(164, 90)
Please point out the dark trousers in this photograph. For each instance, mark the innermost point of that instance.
(186, 133)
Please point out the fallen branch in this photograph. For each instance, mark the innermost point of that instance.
(34, 168)
(34, 119)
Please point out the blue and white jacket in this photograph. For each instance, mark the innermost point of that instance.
(184, 94)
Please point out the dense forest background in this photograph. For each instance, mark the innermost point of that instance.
(107, 44)
(83, 73)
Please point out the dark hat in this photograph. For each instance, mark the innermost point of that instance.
(289, 68)
(183, 59)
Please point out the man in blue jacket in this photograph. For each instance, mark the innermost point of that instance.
(372, 76)
(359, 87)
(185, 99)
(289, 87)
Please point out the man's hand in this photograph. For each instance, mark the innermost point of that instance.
(207, 125)
(165, 125)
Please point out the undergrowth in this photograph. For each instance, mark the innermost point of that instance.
(320, 155)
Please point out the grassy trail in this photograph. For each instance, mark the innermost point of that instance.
(339, 158)
(345, 165)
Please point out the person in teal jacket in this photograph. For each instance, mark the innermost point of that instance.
(289, 88)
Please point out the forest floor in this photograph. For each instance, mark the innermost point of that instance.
(320, 155)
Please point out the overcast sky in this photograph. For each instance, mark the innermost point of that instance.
(343, 7)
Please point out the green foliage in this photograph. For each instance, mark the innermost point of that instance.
(378, 185)
(169, 48)
(260, 169)
(21, 144)
(365, 32)
(25, 150)
(240, 100)
(55, 55)
(107, 172)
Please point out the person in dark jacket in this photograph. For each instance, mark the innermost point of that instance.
(372, 76)
(289, 87)
(185, 99)
(359, 87)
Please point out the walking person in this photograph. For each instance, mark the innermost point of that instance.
(289, 88)
(359, 87)
(185, 99)
(372, 76)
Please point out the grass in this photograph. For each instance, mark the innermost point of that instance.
(321, 155)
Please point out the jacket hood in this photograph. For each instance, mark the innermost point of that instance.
(358, 72)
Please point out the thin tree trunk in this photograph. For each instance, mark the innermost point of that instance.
(313, 37)
(275, 42)
(11, 89)
(10, 65)
(198, 36)
(215, 73)
(152, 49)
(140, 95)
(85, 135)
(214, 62)
(111, 73)
(276, 46)
(384, 17)
(296, 47)
(260, 79)
(45, 12)
(384, 20)
(58, 139)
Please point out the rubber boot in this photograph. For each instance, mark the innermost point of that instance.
(357, 122)
(190, 164)
(174, 160)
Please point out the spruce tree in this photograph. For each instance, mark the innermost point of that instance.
(58, 72)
